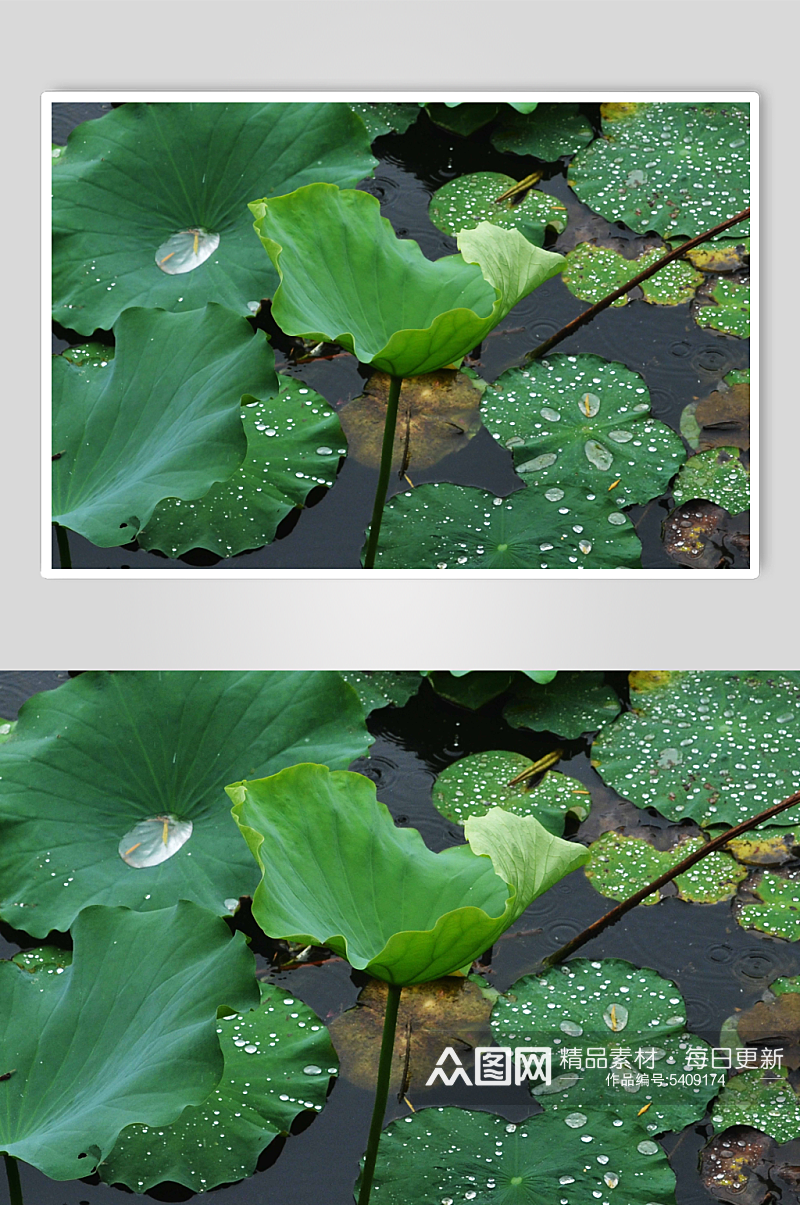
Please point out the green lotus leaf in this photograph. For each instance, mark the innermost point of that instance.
(583, 421)
(278, 1063)
(147, 175)
(677, 169)
(715, 747)
(465, 202)
(479, 782)
(717, 475)
(93, 355)
(552, 131)
(731, 314)
(346, 278)
(461, 117)
(384, 117)
(471, 689)
(107, 753)
(454, 527)
(452, 1155)
(765, 1100)
(161, 420)
(620, 865)
(607, 1005)
(338, 873)
(294, 442)
(378, 688)
(542, 676)
(126, 1033)
(779, 912)
(569, 706)
(593, 272)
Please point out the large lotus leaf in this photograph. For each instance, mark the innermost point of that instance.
(716, 747)
(444, 1156)
(384, 117)
(378, 688)
(620, 865)
(338, 872)
(731, 313)
(779, 911)
(463, 203)
(161, 420)
(471, 689)
(294, 442)
(762, 1099)
(717, 475)
(124, 1034)
(677, 169)
(454, 527)
(347, 278)
(552, 131)
(572, 704)
(105, 753)
(592, 272)
(581, 420)
(481, 781)
(607, 1016)
(137, 177)
(278, 1060)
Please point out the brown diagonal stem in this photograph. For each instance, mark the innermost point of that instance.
(603, 304)
(611, 918)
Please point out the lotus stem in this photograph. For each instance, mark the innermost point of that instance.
(381, 1087)
(62, 539)
(14, 1186)
(611, 918)
(387, 449)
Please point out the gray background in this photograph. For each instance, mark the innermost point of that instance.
(381, 44)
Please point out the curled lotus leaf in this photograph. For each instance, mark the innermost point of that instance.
(337, 872)
(142, 174)
(346, 278)
(125, 1033)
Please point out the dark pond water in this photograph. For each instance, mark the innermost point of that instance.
(717, 966)
(679, 361)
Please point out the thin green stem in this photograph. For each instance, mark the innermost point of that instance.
(14, 1186)
(62, 538)
(386, 468)
(381, 1092)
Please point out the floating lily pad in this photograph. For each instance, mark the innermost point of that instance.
(593, 272)
(147, 175)
(124, 1034)
(346, 278)
(677, 169)
(294, 443)
(385, 117)
(133, 746)
(764, 1099)
(378, 688)
(767, 847)
(463, 203)
(450, 1011)
(479, 782)
(725, 255)
(338, 872)
(438, 413)
(620, 865)
(572, 704)
(715, 747)
(731, 314)
(461, 117)
(779, 914)
(552, 131)
(549, 527)
(585, 422)
(454, 1155)
(472, 689)
(161, 420)
(717, 475)
(614, 1006)
(278, 1063)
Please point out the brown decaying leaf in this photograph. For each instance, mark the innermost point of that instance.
(447, 1012)
(698, 534)
(438, 413)
(724, 418)
(734, 1165)
(775, 1024)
